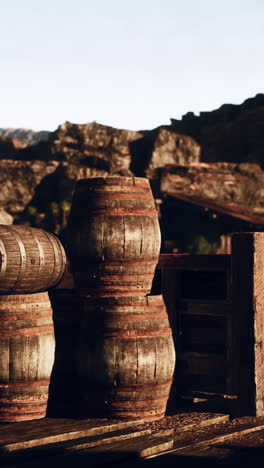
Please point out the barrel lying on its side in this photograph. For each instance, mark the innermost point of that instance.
(27, 353)
(114, 236)
(31, 260)
(126, 357)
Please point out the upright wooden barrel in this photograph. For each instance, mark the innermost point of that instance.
(114, 236)
(126, 357)
(27, 353)
(31, 260)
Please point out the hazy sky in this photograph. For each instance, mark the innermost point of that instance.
(127, 63)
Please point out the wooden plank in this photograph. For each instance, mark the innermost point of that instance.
(248, 321)
(205, 423)
(182, 444)
(184, 421)
(140, 447)
(45, 431)
(70, 446)
(211, 452)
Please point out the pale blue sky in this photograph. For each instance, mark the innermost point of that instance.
(129, 64)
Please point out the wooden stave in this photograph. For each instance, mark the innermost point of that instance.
(146, 398)
(26, 359)
(113, 237)
(34, 260)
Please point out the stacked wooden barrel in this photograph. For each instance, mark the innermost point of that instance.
(31, 261)
(126, 355)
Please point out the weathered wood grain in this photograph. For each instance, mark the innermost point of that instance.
(70, 446)
(14, 453)
(51, 430)
(27, 354)
(114, 236)
(248, 321)
(197, 293)
(108, 454)
(126, 357)
(31, 260)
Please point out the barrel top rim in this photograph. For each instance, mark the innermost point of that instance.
(111, 179)
(14, 227)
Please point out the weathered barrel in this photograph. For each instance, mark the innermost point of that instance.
(64, 392)
(114, 236)
(126, 357)
(27, 353)
(31, 260)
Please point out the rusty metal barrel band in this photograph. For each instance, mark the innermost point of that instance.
(34, 331)
(123, 212)
(41, 252)
(56, 257)
(23, 256)
(139, 403)
(22, 384)
(137, 334)
(3, 258)
(57, 245)
(62, 251)
(141, 387)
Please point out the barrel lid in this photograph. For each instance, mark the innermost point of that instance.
(104, 181)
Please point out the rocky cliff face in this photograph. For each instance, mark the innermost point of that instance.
(39, 192)
(122, 152)
(213, 161)
(19, 181)
(172, 149)
(233, 189)
(94, 145)
(232, 133)
(9, 147)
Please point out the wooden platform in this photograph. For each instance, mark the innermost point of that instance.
(180, 438)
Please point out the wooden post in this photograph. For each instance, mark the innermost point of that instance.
(248, 321)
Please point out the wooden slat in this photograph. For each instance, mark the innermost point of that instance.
(109, 454)
(45, 431)
(111, 446)
(182, 444)
(70, 446)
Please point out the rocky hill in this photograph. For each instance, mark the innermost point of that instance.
(232, 133)
(24, 134)
(212, 163)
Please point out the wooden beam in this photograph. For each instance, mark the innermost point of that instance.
(248, 321)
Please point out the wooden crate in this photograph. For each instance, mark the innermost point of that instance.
(216, 308)
(196, 291)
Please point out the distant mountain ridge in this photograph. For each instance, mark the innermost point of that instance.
(28, 136)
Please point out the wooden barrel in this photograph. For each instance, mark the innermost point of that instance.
(64, 392)
(27, 353)
(114, 236)
(31, 260)
(126, 357)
